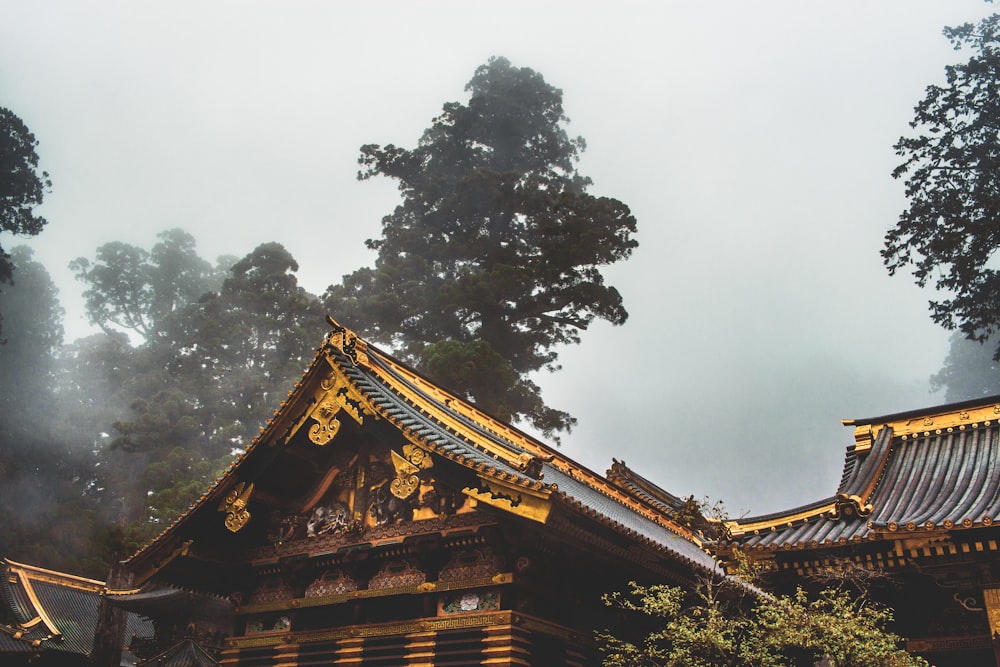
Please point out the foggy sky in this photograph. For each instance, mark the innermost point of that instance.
(753, 142)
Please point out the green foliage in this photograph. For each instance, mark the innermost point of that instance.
(217, 348)
(701, 516)
(22, 186)
(950, 232)
(493, 257)
(134, 290)
(715, 625)
(174, 482)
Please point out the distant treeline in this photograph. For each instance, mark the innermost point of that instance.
(106, 440)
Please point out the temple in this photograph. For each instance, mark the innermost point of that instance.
(379, 520)
(912, 520)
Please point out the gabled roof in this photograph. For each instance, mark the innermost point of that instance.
(352, 380)
(639, 487)
(916, 472)
(43, 610)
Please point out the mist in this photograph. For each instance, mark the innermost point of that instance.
(753, 144)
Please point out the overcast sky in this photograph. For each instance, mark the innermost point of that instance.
(752, 140)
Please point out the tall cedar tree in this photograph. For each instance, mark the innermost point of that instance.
(951, 231)
(493, 258)
(22, 186)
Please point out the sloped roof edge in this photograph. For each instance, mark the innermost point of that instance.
(429, 416)
(875, 474)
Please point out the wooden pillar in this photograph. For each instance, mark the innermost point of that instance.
(991, 600)
(109, 636)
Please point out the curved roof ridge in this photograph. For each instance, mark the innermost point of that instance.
(638, 486)
(360, 378)
(941, 409)
(869, 466)
(785, 518)
(54, 577)
(921, 470)
(525, 456)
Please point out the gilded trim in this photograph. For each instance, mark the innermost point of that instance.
(934, 422)
(361, 631)
(38, 608)
(491, 619)
(58, 578)
(512, 498)
(991, 600)
(517, 460)
(235, 506)
(348, 342)
(736, 529)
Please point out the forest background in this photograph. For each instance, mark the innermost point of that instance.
(753, 146)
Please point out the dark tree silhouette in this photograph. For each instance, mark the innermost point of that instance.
(493, 257)
(950, 233)
(22, 186)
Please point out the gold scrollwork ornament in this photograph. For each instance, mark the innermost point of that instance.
(235, 506)
(328, 425)
(406, 481)
(407, 465)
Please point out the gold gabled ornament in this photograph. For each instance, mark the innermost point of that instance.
(235, 506)
(407, 466)
(348, 342)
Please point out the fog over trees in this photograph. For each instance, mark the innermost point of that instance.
(115, 432)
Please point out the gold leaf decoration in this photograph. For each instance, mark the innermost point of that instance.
(235, 506)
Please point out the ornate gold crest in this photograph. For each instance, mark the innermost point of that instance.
(407, 465)
(235, 506)
(336, 395)
(328, 425)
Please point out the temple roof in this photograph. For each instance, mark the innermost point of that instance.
(916, 472)
(349, 378)
(43, 610)
(186, 653)
(638, 486)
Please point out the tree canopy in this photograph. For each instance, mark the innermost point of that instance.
(135, 290)
(22, 186)
(950, 232)
(493, 257)
(212, 349)
(715, 626)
